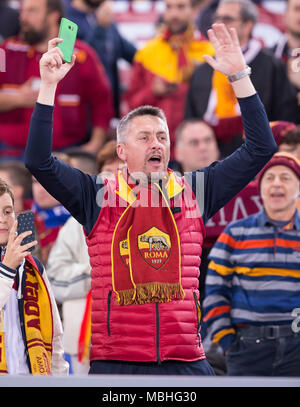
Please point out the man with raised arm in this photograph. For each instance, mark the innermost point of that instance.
(145, 228)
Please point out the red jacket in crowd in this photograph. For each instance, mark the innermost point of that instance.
(84, 93)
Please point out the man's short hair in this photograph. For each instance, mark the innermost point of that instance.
(62, 156)
(5, 189)
(87, 161)
(139, 111)
(196, 3)
(248, 12)
(19, 175)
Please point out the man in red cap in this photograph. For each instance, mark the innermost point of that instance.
(253, 281)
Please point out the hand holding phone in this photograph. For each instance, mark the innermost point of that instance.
(26, 223)
(20, 241)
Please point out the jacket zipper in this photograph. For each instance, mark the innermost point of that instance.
(198, 313)
(108, 311)
(157, 333)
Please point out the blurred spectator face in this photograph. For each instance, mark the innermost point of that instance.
(34, 21)
(7, 217)
(197, 146)
(93, 4)
(84, 165)
(279, 190)
(110, 167)
(108, 160)
(17, 190)
(292, 17)
(290, 148)
(178, 15)
(104, 14)
(230, 15)
(42, 197)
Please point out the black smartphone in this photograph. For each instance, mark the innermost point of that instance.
(25, 223)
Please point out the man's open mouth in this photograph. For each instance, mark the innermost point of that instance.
(155, 159)
(277, 195)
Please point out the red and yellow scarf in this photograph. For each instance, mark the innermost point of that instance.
(37, 320)
(226, 101)
(174, 57)
(145, 250)
(180, 44)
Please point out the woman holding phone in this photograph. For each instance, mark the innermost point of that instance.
(30, 326)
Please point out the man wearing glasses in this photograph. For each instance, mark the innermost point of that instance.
(211, 97)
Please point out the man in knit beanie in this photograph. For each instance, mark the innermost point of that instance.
(280, 129)
(253, 281)
(281, 159)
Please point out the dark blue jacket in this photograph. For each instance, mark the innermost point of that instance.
(222, 180)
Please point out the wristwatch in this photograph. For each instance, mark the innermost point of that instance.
(239, 75)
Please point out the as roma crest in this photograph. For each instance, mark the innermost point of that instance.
(154, 246)
(124, 252)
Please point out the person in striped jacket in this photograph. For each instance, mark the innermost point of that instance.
(252, 300)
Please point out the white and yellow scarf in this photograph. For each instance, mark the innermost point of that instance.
(38, 322)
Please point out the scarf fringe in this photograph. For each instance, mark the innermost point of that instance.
(151, 292)
(125, 297)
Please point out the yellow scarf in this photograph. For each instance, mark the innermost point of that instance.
(225, 96)
(172, 57)
(37, 321)
(180, 44)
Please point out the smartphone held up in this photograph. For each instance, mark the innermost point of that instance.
(67, 32)
(26, 223)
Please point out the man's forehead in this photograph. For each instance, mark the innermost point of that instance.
(5, 200)
(177, 2)
(279, 170)
(230, 8)
(33, 3)
(197, 130)
(5, 175)
(148, 122)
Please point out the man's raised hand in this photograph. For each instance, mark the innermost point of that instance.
(229, 58)
(52, 67)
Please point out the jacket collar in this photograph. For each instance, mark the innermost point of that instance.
(172, 187)
(263, 220)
